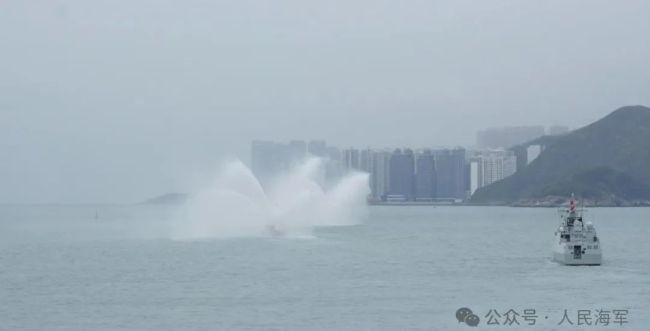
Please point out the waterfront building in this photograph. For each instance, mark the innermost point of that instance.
(351, 159)
(451, 174)
(365, 160)
(425, 176)
(379, 174)
(402, 174)
(474, 165)
(490, 166)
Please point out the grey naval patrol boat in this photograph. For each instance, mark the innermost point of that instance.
(576, 242)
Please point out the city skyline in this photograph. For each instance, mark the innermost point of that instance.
(397, 175)
(474, 137)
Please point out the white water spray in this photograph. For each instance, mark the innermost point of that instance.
(236, 205)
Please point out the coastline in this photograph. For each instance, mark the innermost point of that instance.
(517, 204)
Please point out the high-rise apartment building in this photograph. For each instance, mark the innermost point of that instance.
(351, 159)
(491, 166)
(451, 174)
(425, 176)
(379, 174)
(402, 174)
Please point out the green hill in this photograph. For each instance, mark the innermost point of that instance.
(608, 160)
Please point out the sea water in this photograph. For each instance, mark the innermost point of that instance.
(113, 267)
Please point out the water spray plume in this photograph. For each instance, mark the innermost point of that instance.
(236, 205)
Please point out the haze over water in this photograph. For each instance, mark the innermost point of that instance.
(403, 268)
(120, 101)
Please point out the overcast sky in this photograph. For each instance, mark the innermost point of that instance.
(118, 101)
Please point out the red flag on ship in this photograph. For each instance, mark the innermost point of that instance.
(572, 205)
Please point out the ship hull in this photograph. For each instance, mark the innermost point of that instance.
(569, 259)
(566, 255)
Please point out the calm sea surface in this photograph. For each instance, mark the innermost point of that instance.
(404, 268)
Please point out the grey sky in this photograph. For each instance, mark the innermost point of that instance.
(116, 101)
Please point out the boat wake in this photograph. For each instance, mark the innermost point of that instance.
(236, 204)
